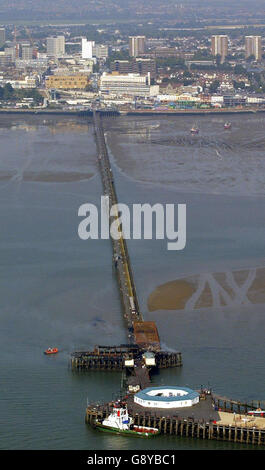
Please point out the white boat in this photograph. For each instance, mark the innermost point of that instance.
(119, 422)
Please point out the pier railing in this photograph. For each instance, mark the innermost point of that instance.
(235, 406)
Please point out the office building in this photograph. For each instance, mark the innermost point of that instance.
(100, 51)
(91, 49)
(4, 59)
(67, 82)
(11, 53)
(87, 48)
(56, 46)
(220, 46)
(127, 85)
(136, 45)
(253, 47)
(137, 65)
(2, 36)
(26, 52)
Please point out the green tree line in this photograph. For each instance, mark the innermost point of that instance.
(8, 93)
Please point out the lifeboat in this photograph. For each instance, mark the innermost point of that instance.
(51, 351)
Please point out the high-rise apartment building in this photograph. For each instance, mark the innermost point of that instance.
(136, 45)
(220, 46)
(2, 36)
(253, 47)
(56, 46)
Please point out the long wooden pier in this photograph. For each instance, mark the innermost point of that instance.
(120, 252)
(142, 335)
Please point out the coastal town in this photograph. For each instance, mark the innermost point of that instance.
(78, 67)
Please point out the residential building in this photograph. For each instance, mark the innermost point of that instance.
(253, 47)
(56, 46)
(169, 88)
(136, 45)
(220, 46)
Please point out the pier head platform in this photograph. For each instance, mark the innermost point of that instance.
(201, 420)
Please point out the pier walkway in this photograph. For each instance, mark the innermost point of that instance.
(120, 252)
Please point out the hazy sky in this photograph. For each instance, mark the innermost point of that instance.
(57, 9)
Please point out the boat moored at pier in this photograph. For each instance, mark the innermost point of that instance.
(119, 422)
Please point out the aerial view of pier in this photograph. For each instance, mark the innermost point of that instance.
(132, 200)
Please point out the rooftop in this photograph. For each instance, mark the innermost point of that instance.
(167, 393)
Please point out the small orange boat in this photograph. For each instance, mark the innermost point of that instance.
(51, 351)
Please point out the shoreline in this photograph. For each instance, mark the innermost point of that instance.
(188, 112)
(139, 112)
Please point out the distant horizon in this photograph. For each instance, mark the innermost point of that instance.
(137, 10)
